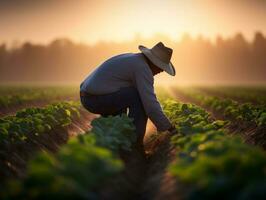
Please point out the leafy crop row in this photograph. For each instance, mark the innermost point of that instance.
(244, 94)
(230, 108)
(212, 164)
(81, 168)
(11, 95)
(35, 121)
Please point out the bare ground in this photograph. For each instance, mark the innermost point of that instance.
(145, 178)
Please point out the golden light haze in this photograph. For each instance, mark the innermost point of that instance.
(118, 20)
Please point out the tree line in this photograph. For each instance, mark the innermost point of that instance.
(226, 60)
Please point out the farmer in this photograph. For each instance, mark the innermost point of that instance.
(126, 81)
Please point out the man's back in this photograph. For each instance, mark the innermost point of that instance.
(115, 73)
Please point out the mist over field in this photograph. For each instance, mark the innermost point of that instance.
(197, 60)
(214, 42)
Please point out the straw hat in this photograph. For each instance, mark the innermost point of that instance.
(160, 56)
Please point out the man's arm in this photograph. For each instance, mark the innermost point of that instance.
(144, 83)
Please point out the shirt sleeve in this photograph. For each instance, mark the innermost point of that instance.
(144, 82)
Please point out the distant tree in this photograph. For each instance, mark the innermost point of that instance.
(196, 59)
(259, 54)
(3, 54)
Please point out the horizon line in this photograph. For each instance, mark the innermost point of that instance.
(137, 36)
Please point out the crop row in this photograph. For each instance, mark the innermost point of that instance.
(229, 108)
(35, 121)
(81, 168)
(13, 96)
(255, 95)
(209, 163)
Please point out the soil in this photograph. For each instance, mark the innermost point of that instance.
(145, 177)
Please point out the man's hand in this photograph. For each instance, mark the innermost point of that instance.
(172, 130)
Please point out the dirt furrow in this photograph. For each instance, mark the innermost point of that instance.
(143, 177)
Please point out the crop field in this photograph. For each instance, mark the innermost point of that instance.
(52, 148)
(14, 97)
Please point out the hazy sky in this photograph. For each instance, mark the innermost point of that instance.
(93, 20)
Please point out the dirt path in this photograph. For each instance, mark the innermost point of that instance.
(144, 178)
(159, 184)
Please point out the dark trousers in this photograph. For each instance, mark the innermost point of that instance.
(117, 103)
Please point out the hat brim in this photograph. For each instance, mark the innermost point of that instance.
(168, 68)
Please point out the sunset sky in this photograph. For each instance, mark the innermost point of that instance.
(117, 20)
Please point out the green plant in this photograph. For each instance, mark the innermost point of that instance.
(81, 168)
(77, 171)
(212, 164)
(114, 133)
(35, 121)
